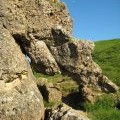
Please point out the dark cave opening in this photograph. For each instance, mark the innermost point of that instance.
(22, 42)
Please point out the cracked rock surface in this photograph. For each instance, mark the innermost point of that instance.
(30, 21)
(41, 29)
(19, 96)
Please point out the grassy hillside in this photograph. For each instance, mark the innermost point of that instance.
(107, 55)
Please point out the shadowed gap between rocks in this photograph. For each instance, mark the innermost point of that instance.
(44, 93)
(20, 40)
(59, 37)
(74, 99)
(74, 76)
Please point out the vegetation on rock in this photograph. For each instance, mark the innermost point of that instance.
(66, 83)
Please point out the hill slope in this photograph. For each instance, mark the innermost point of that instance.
(107, 55)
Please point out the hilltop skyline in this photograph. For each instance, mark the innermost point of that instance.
(95, 19)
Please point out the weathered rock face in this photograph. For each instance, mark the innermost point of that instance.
(75, 58)
(39, 25)
(64, 112)
(42, 58)
(49, 92)
(19, 96)
(32, 20)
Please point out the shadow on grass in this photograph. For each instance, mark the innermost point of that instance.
(74, 100)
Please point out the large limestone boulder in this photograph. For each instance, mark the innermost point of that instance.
(30, 21)
(19, 97)
(75, 58)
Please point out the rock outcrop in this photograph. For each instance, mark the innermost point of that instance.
(75, 58)
(19, 97)
(64, 112)
(43, 30)
(30, 21)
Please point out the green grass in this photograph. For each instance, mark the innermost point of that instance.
(54, 79)
(103, 109)
(105, 114)
(52, 104)
(107, 55)
(67, 85)
(103, 102)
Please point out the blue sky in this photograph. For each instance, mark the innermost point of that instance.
(95, 19)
